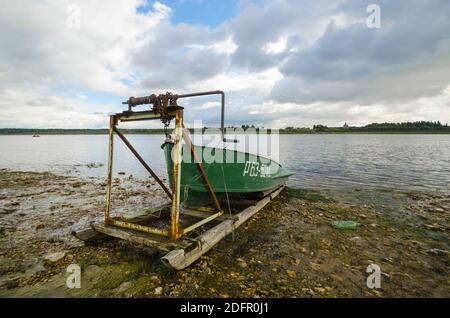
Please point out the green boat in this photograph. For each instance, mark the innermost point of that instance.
(237, 174)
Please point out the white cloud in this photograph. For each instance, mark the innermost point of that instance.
(276, 47)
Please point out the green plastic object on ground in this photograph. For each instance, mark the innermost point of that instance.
(345, 225)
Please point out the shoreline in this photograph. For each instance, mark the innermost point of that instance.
(289, 249)
(37, 132)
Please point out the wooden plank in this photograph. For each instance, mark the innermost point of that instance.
(90, 234)
(139, 238)
(204, 215)
(181, 258)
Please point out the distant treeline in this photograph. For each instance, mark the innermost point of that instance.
(405, 127)
(26, 131)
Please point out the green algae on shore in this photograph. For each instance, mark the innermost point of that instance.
(289, 249)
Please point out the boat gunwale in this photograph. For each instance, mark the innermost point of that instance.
(237, 151)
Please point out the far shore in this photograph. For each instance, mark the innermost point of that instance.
(39, 132)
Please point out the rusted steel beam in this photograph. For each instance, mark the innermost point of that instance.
(200, 168)
(202, 222)
(222, 112)
(142, 115)
(138, 227)
(175, 232)
(203, 215)
(112, 123)
(147, 239)
(90, 234)
(138, 156)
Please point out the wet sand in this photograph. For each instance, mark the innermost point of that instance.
(289, 249)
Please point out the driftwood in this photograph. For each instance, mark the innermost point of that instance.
(182, 258)
(146, 239)
(89, 234)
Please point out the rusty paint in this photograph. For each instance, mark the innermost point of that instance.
(200, 168)
(142, 161)
(165, 108)
(175, 213)
(138, 227)
(112, 122)
(202, 222)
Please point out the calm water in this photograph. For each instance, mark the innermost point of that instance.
(317, 161)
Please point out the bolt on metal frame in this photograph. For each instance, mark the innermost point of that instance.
(181, 133)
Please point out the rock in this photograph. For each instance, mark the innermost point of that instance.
(155, 279)
(241, 263)
(8, 210)
(54, 257)
(158, 290)
(432, 227)
(291, 274)
(39, 226)
(336, 278)
(436, 251)
(377, 293)
(123, 287)
(10, 284)
(315, 266)
(386, 275)
(320, 289)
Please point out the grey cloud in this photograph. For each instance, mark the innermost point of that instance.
(177, 68)
(259, 25)
(178, 55)
(252, 30)
(365, 65)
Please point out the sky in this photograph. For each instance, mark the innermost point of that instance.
(68, 64)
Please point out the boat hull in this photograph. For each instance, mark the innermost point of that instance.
(228, 171)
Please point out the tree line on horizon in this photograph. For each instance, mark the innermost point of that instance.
(402, 126)
(422, 126)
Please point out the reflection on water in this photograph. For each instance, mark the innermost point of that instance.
(317, 161)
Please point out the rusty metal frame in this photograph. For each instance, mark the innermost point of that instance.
(181, 133)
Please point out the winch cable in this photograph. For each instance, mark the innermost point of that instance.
(225, 185)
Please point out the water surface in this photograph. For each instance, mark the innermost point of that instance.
(328, 161)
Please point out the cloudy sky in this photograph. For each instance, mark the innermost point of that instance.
(281, 63)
